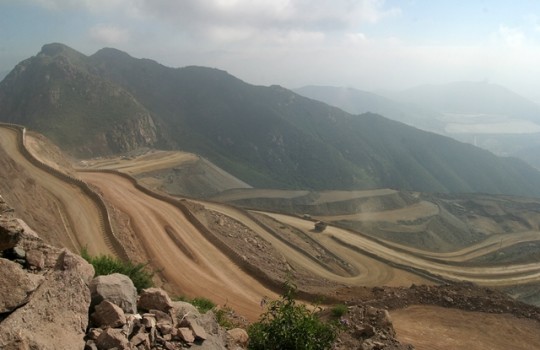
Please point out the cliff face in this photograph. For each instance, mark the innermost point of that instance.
(59, 93)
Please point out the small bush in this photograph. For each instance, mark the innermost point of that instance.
(286, 325)
(339, 310)
(106, 265)
(223, 318)
(202, 304)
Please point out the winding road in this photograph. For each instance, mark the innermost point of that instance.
(194, 266)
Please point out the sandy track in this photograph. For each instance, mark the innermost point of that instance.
(371, 271)
(191, 264)
(80, 214)
(437, 328)
(419, 210)
(491, 244)
(488, 276)
(151, 161)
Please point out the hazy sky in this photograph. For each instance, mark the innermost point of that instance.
(367, 44)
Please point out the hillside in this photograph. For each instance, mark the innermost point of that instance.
(356, 101)
(470, 98)
(486, 115)
(111, 102)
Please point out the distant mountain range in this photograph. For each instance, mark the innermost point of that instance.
(111, 102)
(469, 98)
(484, 114)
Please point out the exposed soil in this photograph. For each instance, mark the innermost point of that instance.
(197, 261)
(438, 328)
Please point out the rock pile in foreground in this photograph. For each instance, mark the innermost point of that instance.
(121, 319)
(44, 295)
(49, 300)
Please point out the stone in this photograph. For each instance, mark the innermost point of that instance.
(16, 285)
(107, 314)
(364, 331)
(90, 345)
(116, 288)
(19, 253)
(56, 314)
(112, 338)
(165, 329)
(385, 320)
(198, 331)
(35, 259)
(133, 324)
(181, 310)
(154, 298)
(237, 338)
(149, 320)
(94, 333)
(161, 317)
(186, 334)
(140, 338)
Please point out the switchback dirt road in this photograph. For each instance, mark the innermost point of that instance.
(80, 216)
(191, 264)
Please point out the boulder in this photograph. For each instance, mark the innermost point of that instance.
(116, 288)
(154, 298)
(112, 338)
(161, 317)
(56, 314)
(186, 334)
(107, 314)
(16, 286)
(181, 310)
(237, 338)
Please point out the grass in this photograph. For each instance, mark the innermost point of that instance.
(106, 265)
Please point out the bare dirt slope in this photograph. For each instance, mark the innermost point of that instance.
(438, 328)
(174, 172)
(70, 216)
(189, 263)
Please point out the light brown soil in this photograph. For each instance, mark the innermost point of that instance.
(189, 263)
(79, 217)
(439, 328)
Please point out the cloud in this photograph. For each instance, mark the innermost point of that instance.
(109, 35)
(264, 14)
(511, 37)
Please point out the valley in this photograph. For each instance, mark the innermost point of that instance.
(235, 256)
(192, 246)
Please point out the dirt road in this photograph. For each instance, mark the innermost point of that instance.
(79, 213)
(487, 276)
(438, 328)
(191, 264)
(371, 271)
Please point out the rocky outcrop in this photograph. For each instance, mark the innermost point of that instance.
(44, 293)
(45, 304)
(160, 324)
(116, 288)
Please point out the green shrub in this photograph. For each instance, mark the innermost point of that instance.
(291, 326)
(339, 310)
(106, 265)
(223, 318)
(202, 304)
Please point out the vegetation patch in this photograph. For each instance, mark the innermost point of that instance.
(106, 265)
(288, 325)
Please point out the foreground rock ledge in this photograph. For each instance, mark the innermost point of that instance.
(52, 295)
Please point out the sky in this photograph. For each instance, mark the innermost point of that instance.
(366, 44)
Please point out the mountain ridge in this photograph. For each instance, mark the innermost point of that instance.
(266, 136)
